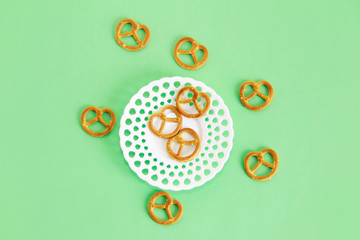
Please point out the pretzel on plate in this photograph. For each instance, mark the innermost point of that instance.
(194, 100)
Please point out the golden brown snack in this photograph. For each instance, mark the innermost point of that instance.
(260, 157)
(194, 100)
(164, 119)
(256, 85)
(134, 30)
(195, 47)
(179, 139)
(166, 206)
(99, 112)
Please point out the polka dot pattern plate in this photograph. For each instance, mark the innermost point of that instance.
(146, 153)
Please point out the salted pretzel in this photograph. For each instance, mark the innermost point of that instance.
(166, 206)
(260, 158)
(256, 85)
(195, 47)
(164, 119)
(180, 140)
(134, 32)
(99, 112)
(194, 100)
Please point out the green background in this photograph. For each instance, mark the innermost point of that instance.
(57, 182)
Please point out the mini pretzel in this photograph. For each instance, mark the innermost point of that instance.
(260, 157)
(192, 52)
(179, 139)
(194, 100)
(134, 30)
(99, 112)
(164, 119)
(166, 206)
(244, 100)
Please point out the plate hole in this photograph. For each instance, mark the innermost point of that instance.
(166, 85)
(146, 94)
(155, 88)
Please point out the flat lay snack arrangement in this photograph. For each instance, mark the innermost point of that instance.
(179, 120)
(191, 102)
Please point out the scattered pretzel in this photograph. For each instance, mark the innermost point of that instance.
(164, 119)
(194, 100)
(134, 32)
(179, 139)
(244, 100)
(99, 112)
(166, 206)
(260, 157)
(195, 47)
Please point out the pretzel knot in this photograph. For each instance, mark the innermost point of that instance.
(261, 161)
(134, 32)
(195, 100)
(256, 86)
(195, 47)
(180, 140)
(164, 119)
(99, 112)
(166, 206)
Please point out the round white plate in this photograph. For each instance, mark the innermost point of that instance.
(146, 153)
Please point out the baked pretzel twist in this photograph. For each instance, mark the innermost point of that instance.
(180, 140)
(164, 119)
(166, 206)
(195, 100)
(195, 47)
(256, 85)
(260, 158)
(99, 112)
(134, 32)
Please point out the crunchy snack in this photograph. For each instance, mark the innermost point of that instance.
(164, 119)
(194, 100)
(99, 112)
(260, 157)
(134, 30)
(244, 100)
(166, 206)
(180, 140)
(195, 47)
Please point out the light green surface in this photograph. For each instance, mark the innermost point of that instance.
(57, 182)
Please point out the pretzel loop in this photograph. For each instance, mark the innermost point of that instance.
(134, 32)
(180, 140)
(195, 100)
(166, 206)
(99, 112)
(256, 86)
(164, 119)
(261, 161)
(195, 47)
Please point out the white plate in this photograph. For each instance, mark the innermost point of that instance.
(146, 153)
